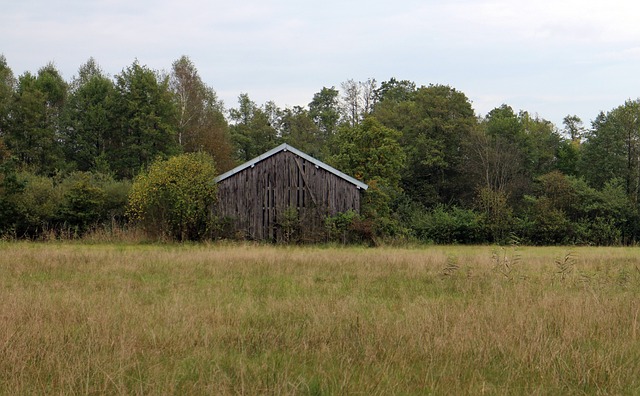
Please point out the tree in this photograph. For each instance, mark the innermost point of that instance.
(436, 122)
(252, 132)
(371, 152)
(34, 131)
(145, 127)
(395, 91)
(325, 112)
(569, 149)
(351, 102)
(510, 150)
(496, 162)
(10, 190)
(175, 197)
(7, 91)
(298, 129)
(201, 125)
(358, 100)
(88, 119)
(612, 148)
(573, 127)
(541, 141)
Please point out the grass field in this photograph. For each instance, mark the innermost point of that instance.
(244, 319)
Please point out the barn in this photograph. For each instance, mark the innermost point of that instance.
(282, 191)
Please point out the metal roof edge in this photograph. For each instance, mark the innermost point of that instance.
(249, 163)
(285, 147)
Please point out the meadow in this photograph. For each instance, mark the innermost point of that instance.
(253, 319)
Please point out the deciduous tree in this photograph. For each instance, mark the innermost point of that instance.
(324, 110)
(33, 134)
(298, 129)
(144, 113)
(7, 90)
(201, 125)
(436, 122)
(175, 197)
(371, 152)
(251, 131)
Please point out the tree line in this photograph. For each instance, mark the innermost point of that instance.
(70, 152)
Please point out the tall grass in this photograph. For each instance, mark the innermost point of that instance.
(228, 319)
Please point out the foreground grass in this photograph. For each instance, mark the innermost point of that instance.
(79, 319)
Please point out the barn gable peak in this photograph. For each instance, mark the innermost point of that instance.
(286, 147)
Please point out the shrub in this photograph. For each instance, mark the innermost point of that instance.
(175, 197)
(38, 204)
(69, 205)
(448, 225)
(349, 227)
(10, 190)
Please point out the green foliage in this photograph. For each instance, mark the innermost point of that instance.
(201, 125)
(324, 111)
(7, 91)
(88, 119)
(568, 157)
(435, 122)
(251, 133)
(82, 205)
(32, 205)
(395, 91)
(446, 225)
(175, 197)
(612, 149)
(289, 223)
(510, 150)
(39, 203)
(89, 199)
(33, 130)
(566, 210)
(144, 126)
(371, 152)
(72, 205)
(550, 224)
(10, 190)
(349, 227)
(467, 179)
(498, 213)
(296, 127)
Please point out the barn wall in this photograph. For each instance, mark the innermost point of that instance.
(257, 197)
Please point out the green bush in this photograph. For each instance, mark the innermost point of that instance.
(349, 227)
(175, 197)
(599, 231)
(10, 190)
(38, 205)
(449, 225)
(43, 206)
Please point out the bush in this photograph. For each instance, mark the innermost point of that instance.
(84, 203)
(349, 227)
(38, 204)
(445, 225)
(10, 190)
(599, 231)
(175, 197)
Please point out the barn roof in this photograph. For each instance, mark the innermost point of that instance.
(286, 147)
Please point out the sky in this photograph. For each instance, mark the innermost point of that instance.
(551, 58)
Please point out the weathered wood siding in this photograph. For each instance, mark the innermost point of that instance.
(256, 198)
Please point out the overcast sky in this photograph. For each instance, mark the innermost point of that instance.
(548, 57)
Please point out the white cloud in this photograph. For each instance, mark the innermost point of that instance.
(496, 51)
(549, 22)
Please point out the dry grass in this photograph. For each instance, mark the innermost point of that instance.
(228, 319)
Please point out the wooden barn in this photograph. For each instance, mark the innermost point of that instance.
(282, 191)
